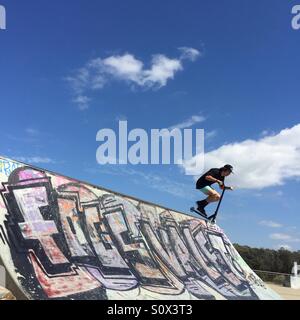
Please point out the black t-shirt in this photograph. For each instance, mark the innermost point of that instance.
(215, 173)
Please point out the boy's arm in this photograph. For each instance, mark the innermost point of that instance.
(212, 179)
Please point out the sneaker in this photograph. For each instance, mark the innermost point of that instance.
(202, 210)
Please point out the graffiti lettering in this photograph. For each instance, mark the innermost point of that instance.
(71, 240)
(7, 167)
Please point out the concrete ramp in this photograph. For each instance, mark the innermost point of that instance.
(65, 239)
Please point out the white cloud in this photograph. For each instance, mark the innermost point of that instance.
(269, 161)
(36, 159)
(161, 71)
(82, 102)
(80, 80)
(30, 135)
(189, 53)
(265, 133)
(188, 123)
(98, 72)
(284, 246)
(152, 180)
(269, 223)
(211, 134)
(280, 236)
(32, 131)
(284, 236)
(125, 67)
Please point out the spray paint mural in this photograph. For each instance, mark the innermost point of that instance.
(64, 239)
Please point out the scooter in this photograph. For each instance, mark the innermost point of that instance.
(213, 217)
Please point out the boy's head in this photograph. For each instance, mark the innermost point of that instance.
(226, 170)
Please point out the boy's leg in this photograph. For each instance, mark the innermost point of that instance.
(203, 203)
(213, 196)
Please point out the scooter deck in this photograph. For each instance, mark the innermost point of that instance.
(210, 218)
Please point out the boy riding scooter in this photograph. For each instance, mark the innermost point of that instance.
(215, 175)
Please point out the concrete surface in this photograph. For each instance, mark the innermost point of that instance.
(284, 292)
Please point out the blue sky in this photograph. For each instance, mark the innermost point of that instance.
(241, 85)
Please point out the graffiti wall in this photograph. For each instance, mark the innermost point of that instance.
(64, 239)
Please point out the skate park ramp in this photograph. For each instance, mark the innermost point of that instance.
(61, 238)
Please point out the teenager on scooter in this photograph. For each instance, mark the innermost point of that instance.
(214, 175)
